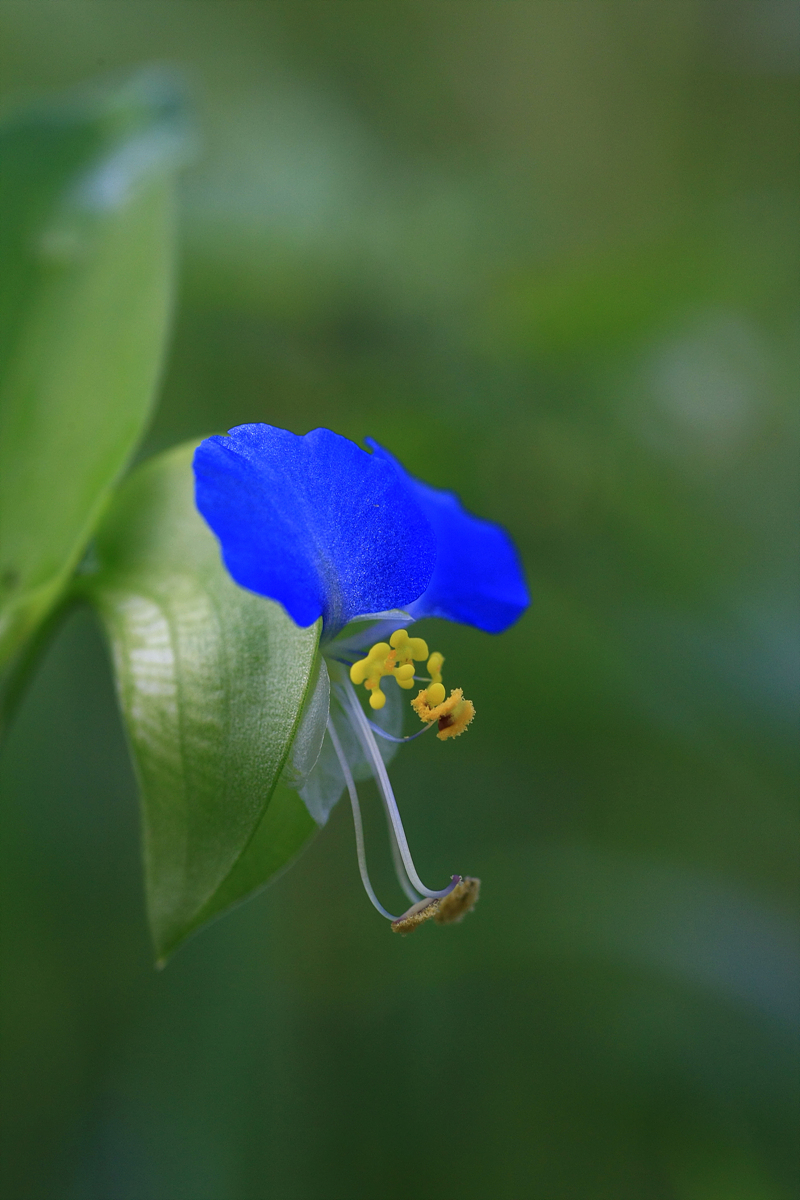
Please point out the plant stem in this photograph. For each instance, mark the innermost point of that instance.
(19, 671)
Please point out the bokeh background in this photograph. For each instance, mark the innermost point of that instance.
(546, 252)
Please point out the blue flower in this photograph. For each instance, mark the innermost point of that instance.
(313, 522)
(330, 531)
(333, 532)
(477, 579)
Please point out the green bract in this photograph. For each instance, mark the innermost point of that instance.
(212, 680)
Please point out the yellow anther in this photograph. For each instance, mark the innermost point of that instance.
(408, 648)
(383, 659)
(396, 658)
(453, 714)
(371, 669)
(405, 675)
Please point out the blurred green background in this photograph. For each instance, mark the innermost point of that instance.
(547, 253)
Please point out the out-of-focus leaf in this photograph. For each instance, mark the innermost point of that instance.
(212, 680)
(86, 270)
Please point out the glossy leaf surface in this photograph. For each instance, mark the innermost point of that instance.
(86, 269)
(212, 680)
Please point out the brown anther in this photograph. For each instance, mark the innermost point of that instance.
(456, 904)
(420, 912)
(453, 715)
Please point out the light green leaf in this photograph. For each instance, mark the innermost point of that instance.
(212, 680)
(86, 276)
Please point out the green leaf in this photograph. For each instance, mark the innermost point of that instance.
(86, 280)
(212, 680)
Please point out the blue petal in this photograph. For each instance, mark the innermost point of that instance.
(313, 522)
(478, 578)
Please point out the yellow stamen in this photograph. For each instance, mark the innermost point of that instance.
(370, 667)
(435, 689)
(370, 671)
(395, 657)
(453, 714)
(408, 648)
(435, 664)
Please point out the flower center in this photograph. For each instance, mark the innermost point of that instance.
(396, 658)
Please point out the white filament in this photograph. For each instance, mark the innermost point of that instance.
(362, 857)
(373, 754)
